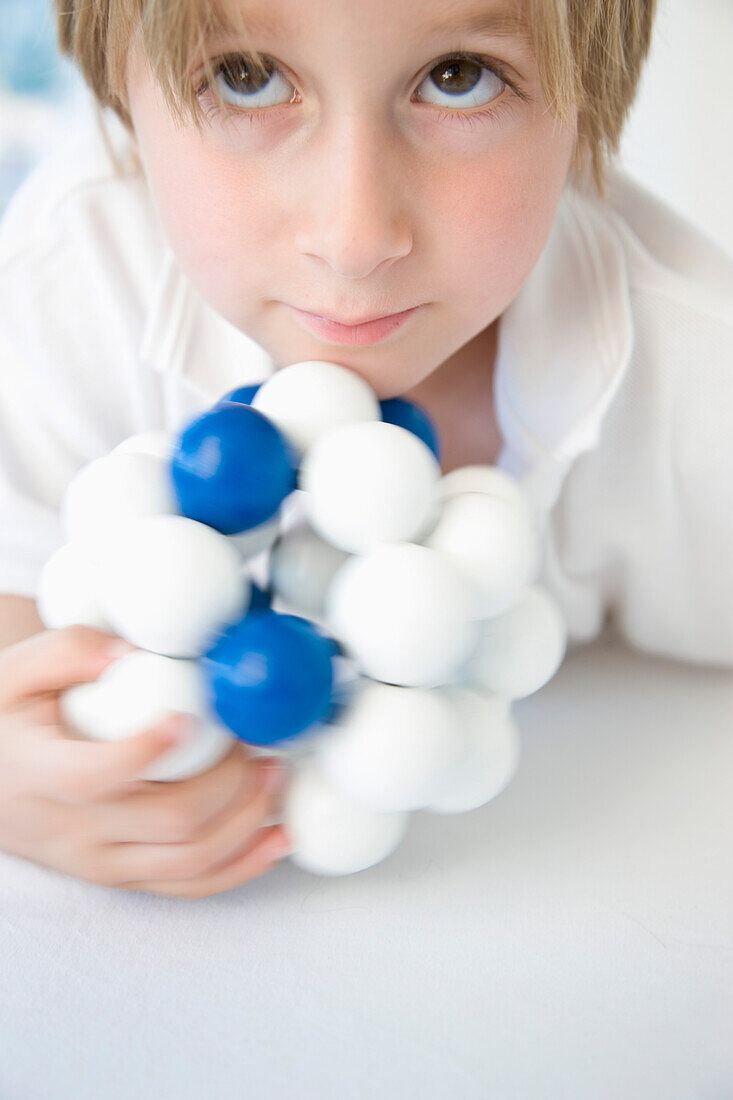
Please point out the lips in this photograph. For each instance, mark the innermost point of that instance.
(360, 335)
(360, 321)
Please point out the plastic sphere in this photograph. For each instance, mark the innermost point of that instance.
(481, 479)
(408, 415)
(112, 490)
(302, 567)
(390, 747)
(258, 539)
(488, 754)
(158, 442)
(67, 590)
(295, 751)
(404, 615)
(270, 677)
(167, 583)
(520, 650)
(495, 542)
(307, 400)
(137, 692)
(232, 468)
(243, 395)
(332, 835)
(368, 484)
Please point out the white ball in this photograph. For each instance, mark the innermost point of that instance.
(158, 442)
(404, 615)
(167, 583)
(258, 539)
(292, 511)
(489, 752)
(488, 480)
(481, 479)
(114, 489)
(332, 835)
(390, 747)
(137, 692)
(67, 590)
(495, 542)
(521, 649)
(302, 567)
(368, 484)
(306, 400)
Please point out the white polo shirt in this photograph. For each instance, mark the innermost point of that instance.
(613, 386)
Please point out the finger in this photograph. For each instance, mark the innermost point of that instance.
(80, 770)
(55, 660)
(172, 813)
(138, 862)
(42, 711)
(259, 854)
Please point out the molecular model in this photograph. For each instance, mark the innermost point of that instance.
(297, 573)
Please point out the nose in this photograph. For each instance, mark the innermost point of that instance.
(355, 221)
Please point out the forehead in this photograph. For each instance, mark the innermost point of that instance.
(500, 19)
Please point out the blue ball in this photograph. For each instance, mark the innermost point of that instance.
(243, 395)
(269, 677)
(232, 468)
(260, 598)
(406, 414)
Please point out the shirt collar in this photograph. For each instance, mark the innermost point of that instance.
(564, 344)
(184, 336)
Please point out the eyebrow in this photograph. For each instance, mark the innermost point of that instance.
(498, 25)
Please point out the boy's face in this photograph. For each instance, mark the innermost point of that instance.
(360, 179)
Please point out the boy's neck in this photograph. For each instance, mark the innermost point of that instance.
(459, 396)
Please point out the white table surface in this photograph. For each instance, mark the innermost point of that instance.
(571, 939)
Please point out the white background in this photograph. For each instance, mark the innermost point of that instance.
(679, 137)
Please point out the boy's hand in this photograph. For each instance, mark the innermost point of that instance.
(77, 806)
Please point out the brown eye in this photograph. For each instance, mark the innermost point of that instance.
(241, 76)
(244, 84)
(463, 81)
(456, 76)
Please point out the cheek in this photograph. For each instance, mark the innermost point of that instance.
(497, 216)
(216, 213)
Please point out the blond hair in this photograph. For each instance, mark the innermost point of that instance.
(589, 54)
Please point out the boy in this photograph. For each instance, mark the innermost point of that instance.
(445, 162)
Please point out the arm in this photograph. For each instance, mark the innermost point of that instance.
(19, 619)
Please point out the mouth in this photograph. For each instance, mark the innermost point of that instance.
(371, 331)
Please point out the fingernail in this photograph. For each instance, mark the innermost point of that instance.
(273, 777)
(178, 727)
(280, 849)
(118, 648)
